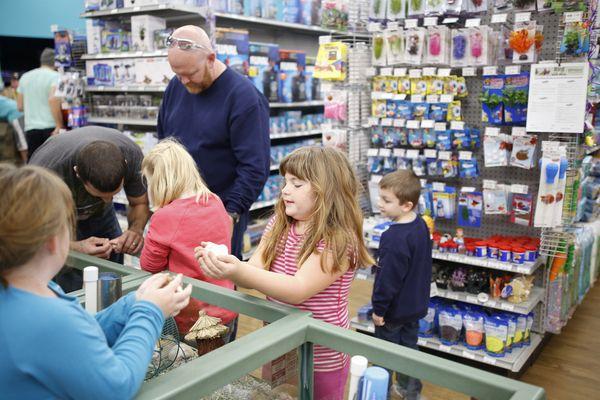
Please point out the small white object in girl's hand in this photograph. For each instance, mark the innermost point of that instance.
(217, 249)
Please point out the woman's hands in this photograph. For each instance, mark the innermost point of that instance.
(167, 295)
(217, 266)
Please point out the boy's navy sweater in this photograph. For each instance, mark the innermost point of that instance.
(226, 130)
(403, 280)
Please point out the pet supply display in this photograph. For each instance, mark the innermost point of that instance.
(496, 150)
(427, 323)
(414, 44)
(470, 209)
(496, 200)
(377, 10)
(379, 50)
(491, 100)
(332, 60)
(459, 56)
(396, 10)
(450, 325)
(514, 98)
(496, 335)
(473, 322)
(395, 46)
(523, 151)
(522, 42)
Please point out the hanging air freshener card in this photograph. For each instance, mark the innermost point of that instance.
(523, 151)
(522, 207)
(394, 41)
(496, 150)
(496, 200)
(470, 209)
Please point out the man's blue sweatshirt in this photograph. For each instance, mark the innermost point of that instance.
(226, 130)
(403, 280)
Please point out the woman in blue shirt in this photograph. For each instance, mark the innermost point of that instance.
(50, 347)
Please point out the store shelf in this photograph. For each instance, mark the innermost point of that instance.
(127, 88)
(289, 135)
(316, 103)
(274, 167)
(165, 11)
(131, 54)
(527, 268)
(122, 121)
(513, 361)
(590, 150)
(263, 204)
(537, 294)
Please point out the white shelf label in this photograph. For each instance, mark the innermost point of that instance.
(411, 23)
(416, 98)
(423, 182)
(421, 342)
(137, 8)
(433, 290)
(489, 360)
(324, 39)
(452, 296)
(445, 155)
(429, 71)
(399, 97)
(512, 70)
(387, 122)
(472, 299)
(519, 131)
(443, 72)
(373, 121)
(489, 184)
(451, 20)
(520, 189)
(433, 98)
(575, 16)
(386, 71)
(399, 152)
(492, 131)
(412, 153)
(440, 126)
(415, 73)
(446, 98)
(393, 25)
(507, 306)
(399, 71)
(447, 349)
(370, 72)
(385, 152)
(493, 70)
(523, 17)
(469, 71)
(399, 123)
(372, 152)
(114, 11)
(427, 123)
(468, 354)
(430, 153)
(522, 270)
(465, 155)
(467, 189)
(412, 124)
(499, 18)
(471, 22)
(373, 27)
(457, 125)
(430, 21)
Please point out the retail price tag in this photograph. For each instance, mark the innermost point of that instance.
(492, 131)
(433, 290)
(377, 95)
(116, 10)
(373, 121)
(399, 71)
(438, 186)
(512, 70)
(499, 18)
(399, 97)
(468, 354)
(550, 146)
(519, 131)
(465, 155)
(489, 360)
(399, 152)
(430, 153)
(427, 123)
(575, 16)
(489, 184)
(137, 8)
(370, 72)
(387, 71)
(522, 270)
(430, 21)
(100, 88)
(507, 306)
(493, 70)
(423, 182)
(138, 53)
(520, 189)
(412, 124)
(472, 300)
(445, 348)
(411, 23)
(421, 342)
(439, 126)
(523, 17)
(162, 6)
(385, 152)
(412, 153)
(467, 189)
(433, 98)
(429, 71)
(415, 73)
(399, 123)
(416, 98)
(469, 71)
(446, 98)
(443, 72)
(471, 22)
(451, 20)
(387, 122)
(374, 27)
(392, 25)
(324, 39)
(491, 303)
(124, 88)
(457, 125)
(445, 155)
(372, 152)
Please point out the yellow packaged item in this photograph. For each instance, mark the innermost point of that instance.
(332, 61)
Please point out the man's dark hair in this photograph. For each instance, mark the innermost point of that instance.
(102, 165)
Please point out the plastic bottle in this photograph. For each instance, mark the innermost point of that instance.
(358, 365)
(90, 286)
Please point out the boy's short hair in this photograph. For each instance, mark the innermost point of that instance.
(102, 165)
(404, 184)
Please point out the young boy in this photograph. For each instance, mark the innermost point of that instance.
(401, 291)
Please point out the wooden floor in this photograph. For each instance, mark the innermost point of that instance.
(568, 367)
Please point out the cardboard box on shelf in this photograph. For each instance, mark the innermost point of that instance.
(142, 31)
(233, 48)
(292, 78)
(263, 71)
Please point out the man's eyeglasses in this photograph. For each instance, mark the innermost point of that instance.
(185, 44)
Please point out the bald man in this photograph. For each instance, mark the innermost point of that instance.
(223, 121)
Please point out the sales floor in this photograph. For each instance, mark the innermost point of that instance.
(567, 367)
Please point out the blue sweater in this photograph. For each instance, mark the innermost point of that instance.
(52, 348)
(403, 280)
(226, 130)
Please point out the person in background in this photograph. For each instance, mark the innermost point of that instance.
(43, 115)
(50, 347)
(402, 283)
(222, 120)
(11, 90)
(309, 251)
(10, 114)
(96, 163)
(186, 213)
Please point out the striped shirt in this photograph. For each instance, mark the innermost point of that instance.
(330, 305)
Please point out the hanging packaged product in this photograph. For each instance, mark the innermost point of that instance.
(420, 111)
(453, 7)
(389, 164)
(336, 102)
(379, 57)
(561, 185)
(377, 10)
(334, 14)
(455, 86)
(434, 7)
(523, 151)
(444, 140)
(438, 49)
(419, 165)
(470, 209)
(496, 150)
(527, 335)
(522, 41)
(435, 85)
(426, 201)
(502, 6)
(459, 56)
(496, 335)
(450, 324)
(374, 162)
(332, 61)
(404, 110)
(544, 5)
(415, 138)
(520, 331)
(376, 136)
(448, 168)
(264, 68)
(444, 203)
(496, 200)
(418, 86)
(550, 166)
(479, 45)
(514, 97)
(394, 42)
(396, 10)
(476, 6)
(576, 39)
(416, 8)
(390, 84)
(475, 135)
(524, 5)
(461, 140)
(337, 138)
(404, 85)
(414, 45)
(522, 207)
(438, 112)
(468, 169)
(473, 322)
(429, 138)
(455, 111)
(427, 323)
(491, 100)
(433, 167)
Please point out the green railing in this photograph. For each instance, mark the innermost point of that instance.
(290, 329)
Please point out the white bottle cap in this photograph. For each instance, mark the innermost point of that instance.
(358, 365)
(90, 274)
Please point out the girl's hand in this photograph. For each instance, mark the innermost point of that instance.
(167, 296)
(217, 267)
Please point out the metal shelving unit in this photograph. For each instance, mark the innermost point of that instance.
(164, 10)
(122, 121)
(131, 54)
(537, 295)
(316, 103)
(299, 134)
(126, 88)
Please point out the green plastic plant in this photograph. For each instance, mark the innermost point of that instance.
(376, 7)
(415, 5)
(378, 47)
(571, 42)
(513, 97)
(490, 100)
(396, 6)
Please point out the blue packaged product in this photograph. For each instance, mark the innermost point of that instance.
(390, 109)
(269, 9)
(419, 166)
(427, 323)
(438, 112)
(389, 164)
(377, 136)
(426, 201)
(475, 135)
(263, 70)
(496, 335)
(468, 169)
(288, 11)
(235, 6)
(404, 110)
(253, 8)
(461, 140)
(473, 322)
(444, 140)
(292, 80)
(365, 313)
(310, 12)
(432, 167)
(233, 48)
(375, 164)
(403, 163)
(420, 111)
(429, 138)
(448, 168)
(415, 138)
(450, 325)
(313, 85)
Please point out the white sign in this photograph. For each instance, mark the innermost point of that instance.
(427, 123)
(457, 125)
(499, 18)
(412, 153)
(445, 155)
(519, 131)
(576, 16)
(370, 72)
(430, 153)
(523, 17)
(324, 39)
(399, 123)
(465, 155)
(520, 189)
(443, 72)
(439, 126)
(416, 98)
(387, 122)
(399, 71)
(488, 184)
(411, 23)
(429, 71)
(512, 70)
(386, 71)
(415, 73)
(446, 98)
(433, 98)
(374, 27)
(471, 22)
(412, 124)
(430, 21)
(438, 186)
(469, 71)
(492, 131)
(490, 70)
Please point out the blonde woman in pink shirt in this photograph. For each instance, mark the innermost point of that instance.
(309, 252)
(186, 213)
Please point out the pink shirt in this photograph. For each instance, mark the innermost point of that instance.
(330, 305)
(175, 230)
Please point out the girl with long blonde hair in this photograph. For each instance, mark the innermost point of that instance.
(309, 252)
